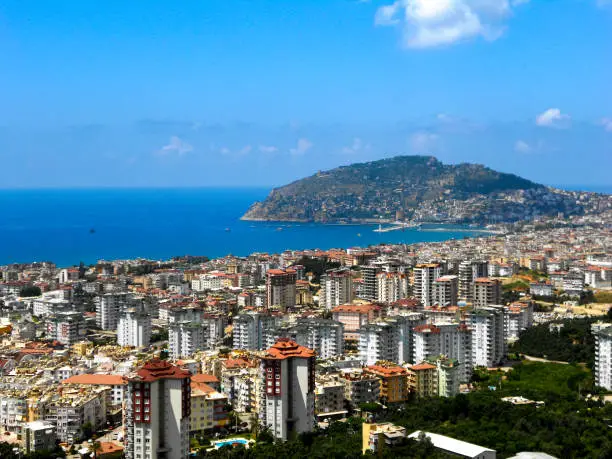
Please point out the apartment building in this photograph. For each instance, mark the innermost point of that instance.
(446, 291)
(488, 338)
(280, 288)
(425, 276)
(469, 271)
(486, 291)
(360, 387)
(324, 336)
(391, 287)
(253, 331)
(288, 401)
(157, 414)
(336, 288)
(354, 317)
(394, 381)
(378, 341)
(603, 356)
(134, 329)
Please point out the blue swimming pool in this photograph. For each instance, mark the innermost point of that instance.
(233, 441)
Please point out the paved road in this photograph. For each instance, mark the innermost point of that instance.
(538, 359)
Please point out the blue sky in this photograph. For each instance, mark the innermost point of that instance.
(261, 92)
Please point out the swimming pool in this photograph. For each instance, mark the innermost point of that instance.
(231, 441)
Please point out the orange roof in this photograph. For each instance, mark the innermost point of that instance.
(284, 348)
(428, 328)
(422, 366)
(203, 388)
(357, 308)
(156, 369)
(107, 447)
(387, 370)
(203, 378)
(103, 380)
(278, 272)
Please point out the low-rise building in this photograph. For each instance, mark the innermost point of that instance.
(374, 436)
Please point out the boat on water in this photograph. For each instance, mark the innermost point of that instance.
(227, 230)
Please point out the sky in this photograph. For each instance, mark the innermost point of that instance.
(263, 92)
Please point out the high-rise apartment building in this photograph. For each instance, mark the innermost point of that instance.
(253, 331)
(469, 271)
(134, 329)
(353, 317)
(336, 288)
(391, 287)
(280, 288)
(157, 412)
(368, 277)
(446, 291)
(378, 342)
(288, 402)
(488, 337)
(425, 276)
(486, 291)
(449, 339)
(603, 355)
(324, 336)
(109, 307)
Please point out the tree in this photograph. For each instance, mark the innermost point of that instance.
(29, 291)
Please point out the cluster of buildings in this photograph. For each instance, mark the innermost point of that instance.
(167, 349)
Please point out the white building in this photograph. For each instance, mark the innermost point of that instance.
(134, 329)
(449, 339)
(324, 336)
(425, 276)
(108, 309)
(38, 436)
(603, 356)
(391, 287)
(469, 271)
(378, 341)
(288, 403)
(446, 291)
(157, 412)
(66, 327)
(488, 337)
(336, 288)
(252, 331)
(455, 447)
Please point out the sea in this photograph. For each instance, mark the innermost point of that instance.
(67, 226)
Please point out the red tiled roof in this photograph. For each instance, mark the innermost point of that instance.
(159, 369)
(203, 378)
(103, 380)
(422, 366)
(284, 348)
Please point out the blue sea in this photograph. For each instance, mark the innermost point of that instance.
(73, 225)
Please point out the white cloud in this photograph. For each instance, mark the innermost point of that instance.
(603, 3)
(268, 148)
(431, 23)
(176, 145)
(245, 150)
(553, 118)
(303, 145)
(607, 124)
(522, 147)
(424, 142)
(355, 147)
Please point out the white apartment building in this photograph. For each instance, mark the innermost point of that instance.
(469, 271)
(391, 287)
(109, 308)
(13, 411)
(446, 291)
(288, 401)
(252, 331)
(425, 276)
(488, 338)
(324, 336)
(66, 327)
(378, 341)
(336, 288)
(405, 325)
(157, 414)
(603, 356)
(134, 329)
(517, 317)
(38, 436)
(186, 338)
(486, 291)
(449, 339)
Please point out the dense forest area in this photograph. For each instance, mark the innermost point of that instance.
(571, 341)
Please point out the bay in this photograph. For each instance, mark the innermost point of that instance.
(72, 225)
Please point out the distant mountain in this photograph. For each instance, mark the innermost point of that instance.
(417, 188)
